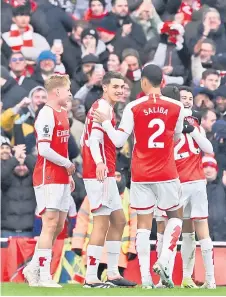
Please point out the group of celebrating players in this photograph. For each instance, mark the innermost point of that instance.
(167, 180)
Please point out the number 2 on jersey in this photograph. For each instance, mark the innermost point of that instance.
(181, 143)
(161, 129)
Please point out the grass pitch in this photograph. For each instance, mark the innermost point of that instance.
(15, 289)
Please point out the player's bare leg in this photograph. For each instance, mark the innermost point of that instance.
(113, 245)
(50, 220)
(202, 231)
(60, 225)
(170, 239)
(95, 248)
(39, 268)
(188, 249)
(144, 225)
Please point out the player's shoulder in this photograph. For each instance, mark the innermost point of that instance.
(171, 101)
(102, 105)
(137, 102)
(45, 114)
(45, 111)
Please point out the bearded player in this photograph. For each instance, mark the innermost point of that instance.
(99, 161)
(188, 158)
(52, 177)
(156, 121)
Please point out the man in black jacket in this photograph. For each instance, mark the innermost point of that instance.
(18, 198)
(128, 28)
(72, 48)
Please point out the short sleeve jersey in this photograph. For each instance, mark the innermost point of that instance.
(107, 148)
(154, 120)
(188, 157)
(51, 126)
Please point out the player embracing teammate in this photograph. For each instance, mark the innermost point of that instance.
(157, 121)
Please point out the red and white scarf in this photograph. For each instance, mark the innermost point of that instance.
(17, 40)
(174, 31)
(186, 10)
(16, 3)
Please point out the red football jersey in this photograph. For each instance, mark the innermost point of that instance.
(108, 150)
(188, 157)
(155, 119)
(51, 126)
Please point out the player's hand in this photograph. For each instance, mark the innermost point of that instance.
(101, 172)
(224, 178)
(100, 117)
(187, 127)
(131, 256)
(71, 169)
(72, 184)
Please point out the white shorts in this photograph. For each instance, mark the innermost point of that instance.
(160, 215)
(195, 200)
(164, 195)
(103, 197)
(53, 196)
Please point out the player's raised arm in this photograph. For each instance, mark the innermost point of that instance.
(44, 127)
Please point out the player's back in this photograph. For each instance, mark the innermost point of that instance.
(155, 121)
(51, 126)
(188, 156)
(108, 150)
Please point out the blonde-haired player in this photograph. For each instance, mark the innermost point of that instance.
(52, 177)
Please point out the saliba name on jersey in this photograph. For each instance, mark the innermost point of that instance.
(157, 109)
(64, 135)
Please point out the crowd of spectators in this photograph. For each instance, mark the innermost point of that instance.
(186, 38)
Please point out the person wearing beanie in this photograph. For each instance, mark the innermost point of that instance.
(216, 194)
(95, 12)
(6, 149)
(203, 98)
(46, 55)
(91, 44)
(46, 65)
(108, 30)
(221, 100)
(131, 58)
(22, 37)
(84, 71)
(23, 114)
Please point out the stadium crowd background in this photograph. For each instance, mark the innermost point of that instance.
(187, 39)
